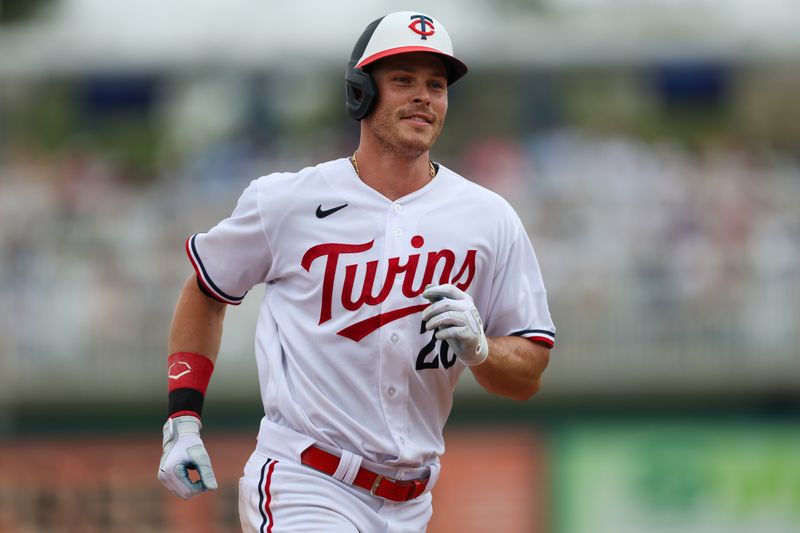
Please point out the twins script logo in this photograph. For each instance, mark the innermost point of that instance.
(372, 293)
(422, 26)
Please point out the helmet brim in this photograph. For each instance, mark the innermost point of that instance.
(456, 68)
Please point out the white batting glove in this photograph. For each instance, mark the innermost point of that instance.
(453, 312)
(184, 451)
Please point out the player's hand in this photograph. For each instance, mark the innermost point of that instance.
(453, 312)
(184, 451)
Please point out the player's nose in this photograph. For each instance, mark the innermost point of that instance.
(422, 95)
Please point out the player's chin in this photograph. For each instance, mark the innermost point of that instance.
(416, 146)
(420, 140)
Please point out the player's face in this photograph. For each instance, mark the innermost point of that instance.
(412, 102)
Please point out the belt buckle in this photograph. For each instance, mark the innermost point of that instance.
(376, 484)
(414, 487)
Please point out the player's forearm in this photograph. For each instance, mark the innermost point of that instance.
(514, 367)
(197, 322)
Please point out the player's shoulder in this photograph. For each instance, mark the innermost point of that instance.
(288, 188)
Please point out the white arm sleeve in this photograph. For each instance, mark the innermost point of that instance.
(235, 254)
(518, 304)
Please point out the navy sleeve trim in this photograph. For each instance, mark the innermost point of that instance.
(540, 335)
(205, 279)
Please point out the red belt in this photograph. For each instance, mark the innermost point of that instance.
(396, 490)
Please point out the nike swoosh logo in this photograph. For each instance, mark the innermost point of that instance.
(322, 213)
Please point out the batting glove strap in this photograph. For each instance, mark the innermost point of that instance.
(184, 451)
(454, 317)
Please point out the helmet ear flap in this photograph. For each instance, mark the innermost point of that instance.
(360, 91)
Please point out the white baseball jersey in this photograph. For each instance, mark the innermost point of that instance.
(342, 354)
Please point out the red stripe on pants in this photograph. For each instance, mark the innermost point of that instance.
(268, 495)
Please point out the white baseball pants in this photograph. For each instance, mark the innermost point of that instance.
(284, 497)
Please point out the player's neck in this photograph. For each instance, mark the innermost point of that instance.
(392, 174)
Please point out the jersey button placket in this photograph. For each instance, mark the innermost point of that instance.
(394, 363)
(398, 230)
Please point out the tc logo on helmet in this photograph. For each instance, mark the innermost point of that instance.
(422, 26)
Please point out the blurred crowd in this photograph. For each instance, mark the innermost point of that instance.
(671, 266)
(659, 260)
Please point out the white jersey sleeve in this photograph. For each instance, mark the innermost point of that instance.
(518, 300)
(235, 255)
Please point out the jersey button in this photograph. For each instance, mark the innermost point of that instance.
(391, 391)
(398, 232)
(398, 208)
(395, 338)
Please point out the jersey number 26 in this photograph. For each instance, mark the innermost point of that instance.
(429, 357)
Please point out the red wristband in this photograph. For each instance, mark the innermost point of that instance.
(189, 370)
(189, 374)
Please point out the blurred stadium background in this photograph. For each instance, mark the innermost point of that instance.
(652, 148)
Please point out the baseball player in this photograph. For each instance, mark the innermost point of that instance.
(387, 276)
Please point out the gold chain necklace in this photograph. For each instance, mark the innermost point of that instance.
(431, 168)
